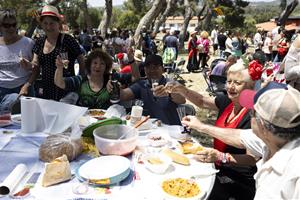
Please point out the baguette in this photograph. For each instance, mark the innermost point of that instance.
(176, 157)
(190, 148)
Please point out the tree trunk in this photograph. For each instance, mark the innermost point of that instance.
(187, 17)
(34, 23)
(170, 5)
(105, 22)
(156, 8)
(87, 17)
(286, 13)
(282, 5)
(200, 17)
(207, 20)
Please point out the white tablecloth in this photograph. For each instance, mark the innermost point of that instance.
(145, 185)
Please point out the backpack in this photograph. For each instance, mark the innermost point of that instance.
(169, 55)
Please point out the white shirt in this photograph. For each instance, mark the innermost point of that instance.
(214, 36)
(228, 44)
(257, 40)
(267, 44)
(279, 177)
(12, 75)
(252, 143)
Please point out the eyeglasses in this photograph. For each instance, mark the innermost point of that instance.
(7, 25)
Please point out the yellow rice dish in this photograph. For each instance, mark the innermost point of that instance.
(180, 187)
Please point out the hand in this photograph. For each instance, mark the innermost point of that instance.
(177, 88)
(192, 122)
(109, 86)
(130, 53)
(208, 155)
(24, 89)
(159, 91)
(25, 64)
(58, 62)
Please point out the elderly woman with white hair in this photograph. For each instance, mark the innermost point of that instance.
(233, 181)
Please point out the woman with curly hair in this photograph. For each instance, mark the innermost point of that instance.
(203, 49)
(91, 89)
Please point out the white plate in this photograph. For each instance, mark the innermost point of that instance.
(104, 167)
(16, 119)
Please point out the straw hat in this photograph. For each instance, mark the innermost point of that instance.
(138, 55)
(49, 10)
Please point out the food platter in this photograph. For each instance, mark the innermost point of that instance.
(104, 170)
(176, 188)
(97, 113)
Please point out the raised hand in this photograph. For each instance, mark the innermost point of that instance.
(159, 91)
(208, 155)
(59, 63)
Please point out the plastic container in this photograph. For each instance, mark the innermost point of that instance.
(108, 142)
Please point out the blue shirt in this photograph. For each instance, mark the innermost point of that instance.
(219, 69)
(162, 108)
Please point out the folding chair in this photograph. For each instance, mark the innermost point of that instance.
(205, 74)
(218, 84)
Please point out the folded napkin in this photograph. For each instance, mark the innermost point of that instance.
(47, 116)
(115, 111)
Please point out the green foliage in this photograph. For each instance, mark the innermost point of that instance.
(23, 10)
(263, 13)
(234, 14)
(95, 14)
(249, 24)
(128, 20)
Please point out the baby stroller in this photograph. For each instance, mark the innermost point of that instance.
(215, 83)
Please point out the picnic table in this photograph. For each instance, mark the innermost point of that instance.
(17, 147)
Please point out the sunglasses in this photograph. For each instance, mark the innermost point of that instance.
(7, 25)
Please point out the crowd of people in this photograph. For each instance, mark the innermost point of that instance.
(256, 134)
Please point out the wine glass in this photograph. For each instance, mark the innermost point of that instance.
(171, 81)
(181, 110)
(64, 58)
(154, 83)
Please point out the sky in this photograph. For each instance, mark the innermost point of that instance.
(98, 3)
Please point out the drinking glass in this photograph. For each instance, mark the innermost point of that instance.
(171, 81)
(181, 110)
(155, 83)
(64, 58)
(20, 55)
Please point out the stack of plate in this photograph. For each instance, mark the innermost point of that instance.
(105, 170)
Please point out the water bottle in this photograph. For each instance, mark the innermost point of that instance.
(115, 94)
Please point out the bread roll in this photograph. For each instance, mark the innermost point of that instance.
(57, 145)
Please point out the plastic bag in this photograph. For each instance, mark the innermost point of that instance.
(56, 145)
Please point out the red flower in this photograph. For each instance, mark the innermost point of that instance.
(255, 70)
(120, 56)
